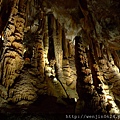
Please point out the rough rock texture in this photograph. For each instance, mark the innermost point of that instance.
(106, 18)
(27, 88)
(101, 18)
(67, 13)
(111, 75)
(57, 22)
(69, 72)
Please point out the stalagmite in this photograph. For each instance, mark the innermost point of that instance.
(65, 45)
(86, 85)
(40, 57)
(58, 52)
(13, 50)
(107, 90)
(46, 40)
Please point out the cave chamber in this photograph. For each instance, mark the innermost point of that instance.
(59, 56)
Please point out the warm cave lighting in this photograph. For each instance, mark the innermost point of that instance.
(1, 36)
(55, 80)
(115, 109)
(75, 99)
(24, 50)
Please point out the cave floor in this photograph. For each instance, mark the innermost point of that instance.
(44, 108)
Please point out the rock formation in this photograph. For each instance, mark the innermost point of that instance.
(69, 50)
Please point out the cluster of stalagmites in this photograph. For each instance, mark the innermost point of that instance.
(22, 85)
(106, 95)
(111, 75)
(69, 72)
(101, 95)
(69, 76)
(28, 86)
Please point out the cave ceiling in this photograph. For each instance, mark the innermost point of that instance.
(98, 18)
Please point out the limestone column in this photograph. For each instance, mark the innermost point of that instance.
(87, 83)
(65, 45)
(40, 56)
(58, 52)
(11, 60)
(46, 40)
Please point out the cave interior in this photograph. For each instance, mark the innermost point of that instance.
(59, 56)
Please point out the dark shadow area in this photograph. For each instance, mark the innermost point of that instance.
(44, 108)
